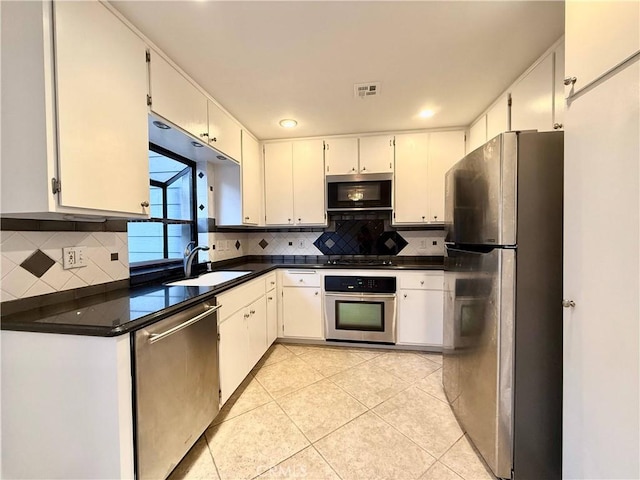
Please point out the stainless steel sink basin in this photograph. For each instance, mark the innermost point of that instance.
(210, 279)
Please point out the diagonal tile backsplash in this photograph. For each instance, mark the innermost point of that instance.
(32, 261)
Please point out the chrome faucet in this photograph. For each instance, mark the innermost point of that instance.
(190, 252)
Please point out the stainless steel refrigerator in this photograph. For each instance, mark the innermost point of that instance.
(502, 366)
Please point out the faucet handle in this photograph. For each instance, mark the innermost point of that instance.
(187, 249)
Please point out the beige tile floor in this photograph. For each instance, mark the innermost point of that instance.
(315, 412)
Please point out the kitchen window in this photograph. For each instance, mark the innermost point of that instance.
(161, 239)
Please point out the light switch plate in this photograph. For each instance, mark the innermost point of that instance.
(74, 257)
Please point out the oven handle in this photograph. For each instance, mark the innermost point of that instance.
(360, 295)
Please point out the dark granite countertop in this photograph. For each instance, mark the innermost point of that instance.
(126, 310)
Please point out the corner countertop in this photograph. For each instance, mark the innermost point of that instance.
(129, 309)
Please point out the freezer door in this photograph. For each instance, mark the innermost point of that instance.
(478, 349)
(480, 195)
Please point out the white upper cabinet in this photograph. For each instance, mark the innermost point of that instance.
(308, 182)
(176, 99)
(599, 35)
(532, 99)
(422, 160)
(341, 156)
(445, 149)
(477, 134)
(411, 203)
(94, 142)
(376, 154)
(223, 132)
(251, 180)
(278, 183)
(498, 118)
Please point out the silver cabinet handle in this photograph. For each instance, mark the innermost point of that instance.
(557, 126)
(144, 204)
(570, 80)
(155, 337)
(568, 303)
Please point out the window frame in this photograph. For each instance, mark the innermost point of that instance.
(189, 164)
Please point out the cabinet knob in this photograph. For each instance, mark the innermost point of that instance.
(364, 169)
(405, 295)
(202, 135)
(435, 217)
(144, 204)
(301, 281)
(568, 303)
(421, 282)
(423, 217)
(557, 126)
(214, 139)
(269, 298)
(246, 315)
(252, 312)
(353, 169)
(246, 218)
(272, 283)
(316, 293)
(569, 80)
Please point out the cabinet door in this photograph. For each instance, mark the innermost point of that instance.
(376, 154)
(176, 99)
(445, 149)
(498, 118)
(599, 36)
(257, 330)
(477, 134)
(272, 318)
(251, 184)
(341, 156)
(302, 312)
(102, 114)
(234, 353)
(308, 183)
(278, 183)
(420, 317)
(600, 339)
(411, 199)
(223, 132)
(532, 99)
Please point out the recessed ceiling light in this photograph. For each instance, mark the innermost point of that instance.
(196, 144)
(288, 123)
(426, 113)
(161, 125)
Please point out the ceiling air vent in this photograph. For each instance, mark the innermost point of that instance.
(364, 90)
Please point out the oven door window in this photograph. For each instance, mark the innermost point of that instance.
(364, 316)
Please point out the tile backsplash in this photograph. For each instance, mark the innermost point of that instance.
(32, 261)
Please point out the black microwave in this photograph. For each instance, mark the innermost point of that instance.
(358, 192)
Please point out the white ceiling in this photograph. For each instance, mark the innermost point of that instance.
(265, 61)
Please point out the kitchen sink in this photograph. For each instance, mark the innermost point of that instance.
(210, 279)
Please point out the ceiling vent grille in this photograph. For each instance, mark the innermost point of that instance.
(364, 90)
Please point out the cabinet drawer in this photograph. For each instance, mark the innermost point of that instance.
(300, 278)
(239, 297)
(422, 281)
(270, 280)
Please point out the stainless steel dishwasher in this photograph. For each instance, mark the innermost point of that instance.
(176, 387)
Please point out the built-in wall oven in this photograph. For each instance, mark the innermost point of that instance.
(360, 308)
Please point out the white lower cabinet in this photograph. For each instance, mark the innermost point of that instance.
(420, 309)
(242, 329)
(272, 310)
(301, 304)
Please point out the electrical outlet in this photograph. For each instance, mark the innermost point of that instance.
(74, 257)
(302, 243)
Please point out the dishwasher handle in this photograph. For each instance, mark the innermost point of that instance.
(155, 337)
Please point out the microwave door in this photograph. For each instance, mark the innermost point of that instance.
(480, 195)
(478, 348)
